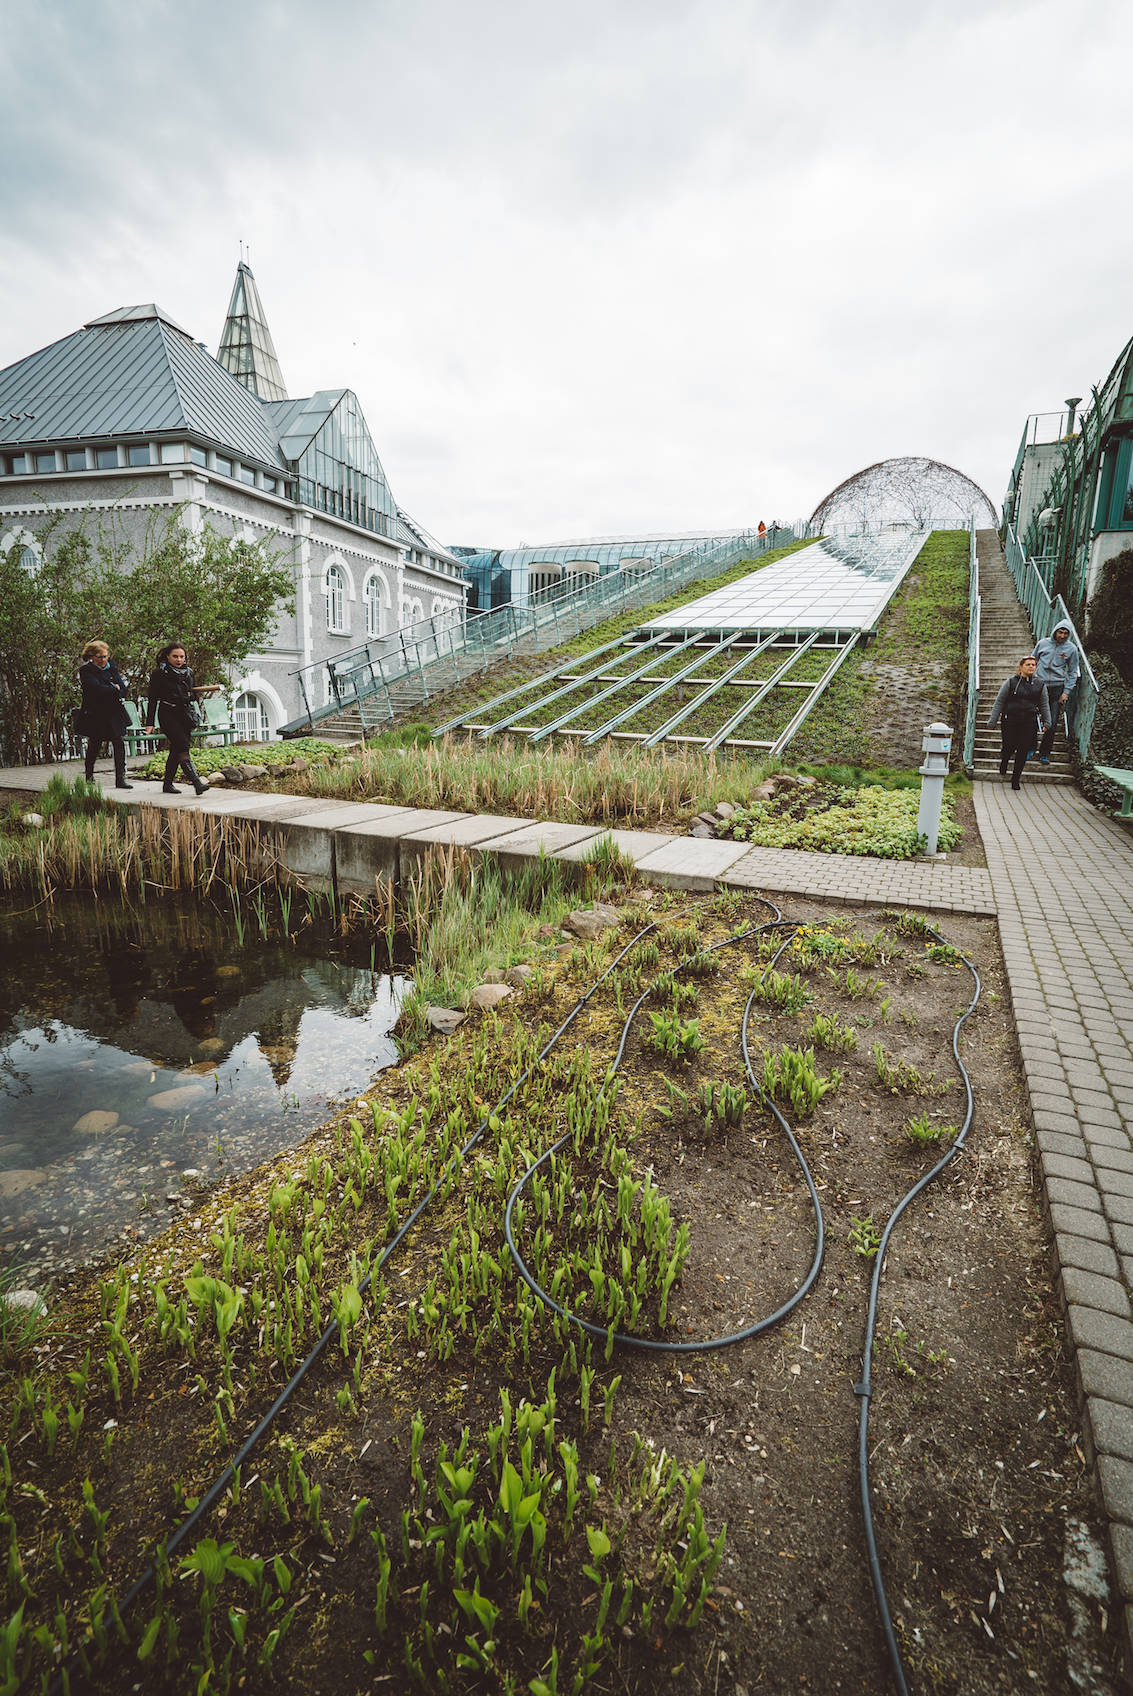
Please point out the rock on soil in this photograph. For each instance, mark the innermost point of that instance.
(21, 1178)
(590, 922)
(444, 1019)
(489, 994)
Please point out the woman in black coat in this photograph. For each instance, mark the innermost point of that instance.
(103, 715)
(173, 704)
(1022, 704)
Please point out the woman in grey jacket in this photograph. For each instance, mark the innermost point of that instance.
(1021, 704)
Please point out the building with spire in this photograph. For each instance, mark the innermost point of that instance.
(130, 415)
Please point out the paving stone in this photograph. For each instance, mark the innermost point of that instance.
(1111, 1427)
(1062, 1166)
(1112, 1159)
(1069, 1194)
(1085, 1253)
(1116, 1479)
(1093, 1330)
(1060, 1142)
(1118, 1208)
(1089, 1289)
(1121, 1548)
(1115, 1182)
(1122, 1236)
(1077, 1222)
(1109, 1136)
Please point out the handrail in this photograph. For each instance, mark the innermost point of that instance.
(974, 608)
(1046, 615)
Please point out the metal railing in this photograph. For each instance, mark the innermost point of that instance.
(1045, 616)
(974, 605)
(388, 673)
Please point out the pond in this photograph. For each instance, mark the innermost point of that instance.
(149, 1051)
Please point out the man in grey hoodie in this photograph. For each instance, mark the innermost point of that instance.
(1058, 670)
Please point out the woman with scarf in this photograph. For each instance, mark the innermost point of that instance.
(1021, 703)
(173, 703)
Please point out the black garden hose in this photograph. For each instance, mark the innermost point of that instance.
(864, 1390)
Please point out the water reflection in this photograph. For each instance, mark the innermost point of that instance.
(138, 1044)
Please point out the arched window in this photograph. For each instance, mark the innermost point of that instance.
(250, 717)
(372, 595)
(336, 598)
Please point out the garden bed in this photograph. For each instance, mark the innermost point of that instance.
(357, 1550)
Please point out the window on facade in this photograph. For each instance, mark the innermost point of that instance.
(138, 456)
(198, 456)
(223, 467)
(373, 597)
(29, 561)
(172, 453)
(19, 464)
(245, 474)
(271, 485)
(336, 599)
(45, 462)
(106, 459)
(75, 459)
(250, 717)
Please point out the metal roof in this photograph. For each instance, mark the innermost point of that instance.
(133, 373)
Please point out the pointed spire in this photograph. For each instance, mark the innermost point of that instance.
(246, 348)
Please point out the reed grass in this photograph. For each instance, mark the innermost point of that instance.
(128, 852)
(614, 784)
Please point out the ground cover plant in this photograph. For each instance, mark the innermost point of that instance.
(273, 755)
(866, 819)
(468, 1492)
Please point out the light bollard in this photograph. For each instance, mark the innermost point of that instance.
(937, 745)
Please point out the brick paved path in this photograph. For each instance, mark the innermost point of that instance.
(1066, 922)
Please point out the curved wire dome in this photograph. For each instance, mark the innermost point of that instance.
(921, 493)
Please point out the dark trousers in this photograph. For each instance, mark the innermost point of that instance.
(1019, 740)
(117, 748)
(1056, 712)
(178, 732)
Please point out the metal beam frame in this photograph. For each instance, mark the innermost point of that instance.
(612, 688)
(663, 687)
(632, 648)
(820, 688)
(749, 707)
(706, 694)
(533, 683)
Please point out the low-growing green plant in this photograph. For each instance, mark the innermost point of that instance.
(786, 994)
(790, 1075)
(864, 1237)
(921, 1130)
(901, 1075)
(826, 1032)
(675, 1038)
(868, 820)
(721, 1102)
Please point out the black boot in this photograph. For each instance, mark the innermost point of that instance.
(120, 781)
(194, 776)
(168, 789)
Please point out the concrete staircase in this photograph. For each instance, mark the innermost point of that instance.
(1005, 637)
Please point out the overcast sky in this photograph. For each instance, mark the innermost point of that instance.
(605, 267)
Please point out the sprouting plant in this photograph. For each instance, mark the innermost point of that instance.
(676, 1094)
(780, 990)
(675, 992)
(855, 987)
(943, 954)
(826, 1032)
(907, 924)
(721, 1101)
(921, 1130)
(790, 1075)
(675, 1038)
(865, 1238)
(896, 1076)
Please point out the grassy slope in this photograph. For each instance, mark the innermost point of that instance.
(926, 628)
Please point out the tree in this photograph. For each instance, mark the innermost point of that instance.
(219, 595)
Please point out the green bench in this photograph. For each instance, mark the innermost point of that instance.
(1124, 781)
(218, 727)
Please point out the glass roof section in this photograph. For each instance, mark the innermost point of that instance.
(837, 584)
(326, 439)
(246, 348)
